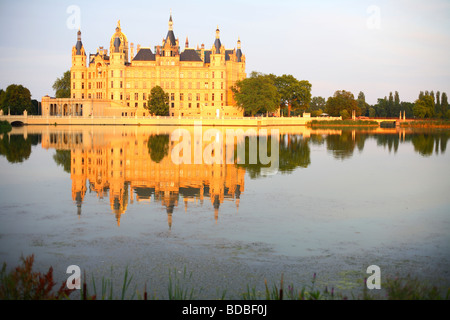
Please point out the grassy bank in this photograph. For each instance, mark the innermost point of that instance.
(22, 283)
(343, 123)
(5, 127)
(426, 124)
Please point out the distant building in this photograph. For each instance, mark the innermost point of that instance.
(198, 81)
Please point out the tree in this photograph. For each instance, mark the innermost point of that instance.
(62, 86)
(294, 94)
(2, 97)
(437, 107)
(256, 94)
(362, 104)
(444, 105)
(16, 99)
(396, 104)
(381, 107)
(342, 100)
(424, 107)
(158, 103)
(317, 106)
(317, 103)
(408, 108)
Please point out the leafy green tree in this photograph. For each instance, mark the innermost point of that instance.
(318, 103)
(390, 106)
(62, 86)
(16, 99)
(424, 107)
(256, 94)
(158, 103)
(437, 106)
(294, 94)
(396, 104)
(5, 127)
(408, 108)
(35, 107)
(342, 100)
(444, 105)
(317, 106)
(362, 104)
(381, 107)
(344, 114)
(2, 96)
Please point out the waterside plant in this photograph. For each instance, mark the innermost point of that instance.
(22, 283)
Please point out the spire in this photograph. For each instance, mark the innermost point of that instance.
(79, 44)
(170, 22)
(170, 35)
(186, 45)
(217, 43)
(217, 33)
(238, 51)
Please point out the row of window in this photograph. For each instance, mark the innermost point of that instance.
(164, 85)
(164, 74)
(145, 97)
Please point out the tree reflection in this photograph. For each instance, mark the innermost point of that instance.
(294, 152)
(391, 141)
(158, 147)
(15, 148)
(62, 158)
(341, 145)
(425, 143)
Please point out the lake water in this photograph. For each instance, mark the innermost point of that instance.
(329, 201)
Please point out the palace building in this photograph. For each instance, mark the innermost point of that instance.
(117, 83)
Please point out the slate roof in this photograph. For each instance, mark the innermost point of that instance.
(190, 55)
(218, 45)
(239, 55)
(144, 54)
(116, 44)
(78, 46)
(207, 56)
(92, 57)
(227, 54)
(171, 38)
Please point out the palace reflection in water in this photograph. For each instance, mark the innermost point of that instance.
(127, 164)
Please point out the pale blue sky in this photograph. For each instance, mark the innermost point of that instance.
(374, 46)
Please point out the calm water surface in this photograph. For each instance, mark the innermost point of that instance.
(337, 201)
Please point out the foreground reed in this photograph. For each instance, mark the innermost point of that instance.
(22, 283)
